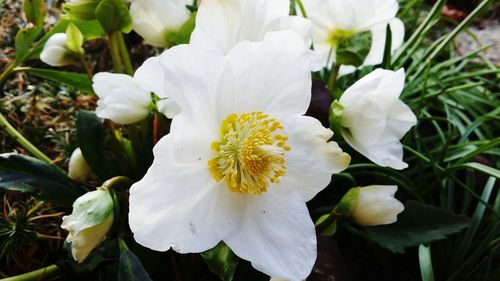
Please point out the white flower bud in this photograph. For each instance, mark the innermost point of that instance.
(376, 205)
(89, 223)
(56, 52)
(154, 20)
(78, 169)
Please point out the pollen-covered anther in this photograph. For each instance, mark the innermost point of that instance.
(250, 153)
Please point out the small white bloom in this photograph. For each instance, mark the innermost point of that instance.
(375, 119)
(334, 20)
(126, 99)
(89, 223)
(155, 20)
(376, 205)
(56, 52)
(221, 24)
(78, 169)
(240, 160)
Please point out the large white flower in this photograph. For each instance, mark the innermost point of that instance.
(125, 99)
(56, 52)
(156, 20)
(221, 24)
(241, 160)
(375, 119)
(334, 20)
(376, 205)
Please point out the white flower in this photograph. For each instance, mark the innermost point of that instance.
(221, 24)
(376, 205)
(126, 99)
(89, 223)
(156, 20)
(241, 160)
(78, 169)
(375, 119)
(56, 52)
(334, 20)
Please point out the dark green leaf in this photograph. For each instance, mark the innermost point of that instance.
(130, 267)
(28, 174)
(114, 16)
(353, 50)
(386, 61)
(418, 224)
(91, 140)
(221, 261)
(79, 81)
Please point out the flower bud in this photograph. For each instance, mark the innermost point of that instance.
(89, 223)
(376, 205)
(78, 169)
(157, 20)
(56, 52)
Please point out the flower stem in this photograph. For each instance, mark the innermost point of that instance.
(7, 72)
(114, 49)
(11, 131)
(124, 54)
(85, 66)
(39, 274)
(117, 181)
(333, 77)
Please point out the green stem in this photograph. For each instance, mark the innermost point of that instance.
(333, 77)
(85, 66)
(7, 72)
(11, 131)
(332, 217)
(301, 7)
(39, 274)
(117, 181)
(114, 49)
(124, 54)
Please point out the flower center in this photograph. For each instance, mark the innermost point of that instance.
(336, 35)
(250, 153)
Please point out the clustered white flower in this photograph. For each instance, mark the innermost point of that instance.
(241, 159)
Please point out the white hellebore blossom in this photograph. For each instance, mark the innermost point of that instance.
(376, 205)
(240, 160)
(125, 99)
(78, 169)
(157, 20)
(335, 20)
(375, 119)
(89, 223)
(56, 51)
(221, 24)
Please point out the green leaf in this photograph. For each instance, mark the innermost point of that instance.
(353, 50)
(114, 16)
(184, 34)
(34, 11)
(30, 175)
(330, 229)
(83, 10)
(221, 261)
(74, 38)
(91, 140)
(418, 224)
(77, 80)
(477, 166)
(130, 267)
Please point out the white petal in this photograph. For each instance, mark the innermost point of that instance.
(376, 12)
(55, 56)
(58, 39)
(272, 76)
(151, 76)
(383, 154)
(105, 82)
(376, 54)
(366, 120)
(301, 25)
(220, 25)
(180, 206)
(376, 205)
(168, 107)
(277, 235)
(312, 159)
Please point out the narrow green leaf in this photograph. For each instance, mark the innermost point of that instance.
(386, 61)
(221, 261)
(476, 166)
(130, 267)
(30, 175)
(419, 223)
(77, 80)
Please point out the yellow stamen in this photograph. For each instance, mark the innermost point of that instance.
(250, 153)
